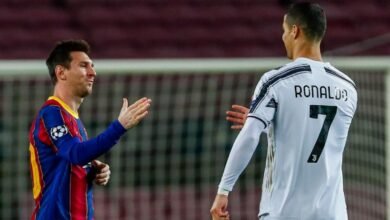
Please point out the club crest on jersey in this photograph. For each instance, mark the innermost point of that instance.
(58, 131)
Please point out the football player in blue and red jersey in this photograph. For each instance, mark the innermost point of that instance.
(62, 157)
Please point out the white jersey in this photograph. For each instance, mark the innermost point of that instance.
(306, 107)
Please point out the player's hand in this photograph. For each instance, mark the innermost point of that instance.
(237, 115)
(102, 172)
(131, 115)
(219, 209)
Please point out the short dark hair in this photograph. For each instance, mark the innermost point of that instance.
(60, 55)
(310, 17)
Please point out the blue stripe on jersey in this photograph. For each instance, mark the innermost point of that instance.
(332, 72)
(278, 77)
(252, 116)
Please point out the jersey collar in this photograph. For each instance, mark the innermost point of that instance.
(65, 106)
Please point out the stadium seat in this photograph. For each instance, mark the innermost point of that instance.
(228, 27)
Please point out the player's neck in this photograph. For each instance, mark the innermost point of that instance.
(72, 101)
(308, 50)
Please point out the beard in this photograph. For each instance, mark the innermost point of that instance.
(84, 92)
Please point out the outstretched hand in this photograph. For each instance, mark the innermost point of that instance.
(237, 115)
(131, 115)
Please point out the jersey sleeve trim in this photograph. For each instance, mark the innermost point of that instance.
(253, 116)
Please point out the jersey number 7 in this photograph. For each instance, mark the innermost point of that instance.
(330, 113)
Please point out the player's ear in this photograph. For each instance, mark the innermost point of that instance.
(60, 72)
(295, 31)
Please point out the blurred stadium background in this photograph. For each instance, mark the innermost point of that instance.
(170, 165)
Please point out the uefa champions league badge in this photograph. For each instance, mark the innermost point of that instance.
(58, 131)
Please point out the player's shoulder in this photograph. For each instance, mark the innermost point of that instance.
(50, 107)
(54, 114)
(336, 72)
(287, 70)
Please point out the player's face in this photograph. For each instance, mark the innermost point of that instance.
(81, 74)
(287, 38)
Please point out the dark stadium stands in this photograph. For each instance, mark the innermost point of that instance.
(180, 29)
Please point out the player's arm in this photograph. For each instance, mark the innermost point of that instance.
(81, 152)
(254, 122)
(237, 115)
(239, 157)
(241, 153)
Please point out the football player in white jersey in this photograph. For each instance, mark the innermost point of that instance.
(306, 108)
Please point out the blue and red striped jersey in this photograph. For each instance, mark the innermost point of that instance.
(60, 155)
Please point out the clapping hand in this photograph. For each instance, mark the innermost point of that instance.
(131, 115)
(237, 115)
